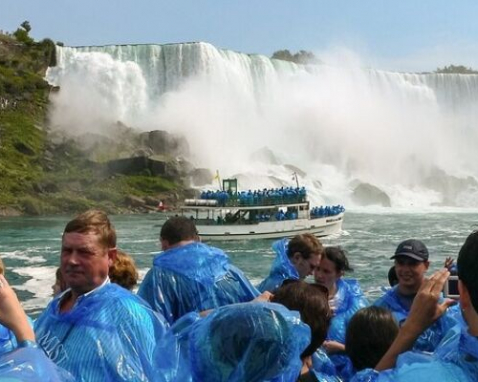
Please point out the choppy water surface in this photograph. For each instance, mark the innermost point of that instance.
(30, 247)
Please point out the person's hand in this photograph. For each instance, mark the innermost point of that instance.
(332, 347)
(448, 263)
(425, 309)
(264, 297)
(12, 315)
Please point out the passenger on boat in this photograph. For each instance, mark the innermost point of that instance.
(411, 264)
(255, 341)
(311, 301)
(59, 285)
(456, 356)
(27, 362)
(123, 271)
(295, 259)
(345, 299)
(95, 329)
(245, 342)
(190, 276)
(369, 335)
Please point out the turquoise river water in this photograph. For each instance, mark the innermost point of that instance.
(30, 247)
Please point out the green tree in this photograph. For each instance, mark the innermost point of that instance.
(456, 69)
(301, 57)
(26, 25)
(21, 34)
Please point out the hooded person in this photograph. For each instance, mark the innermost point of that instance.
(295, 259)
(254, 342)
(189, 276)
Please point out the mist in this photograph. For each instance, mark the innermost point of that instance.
(410, 135)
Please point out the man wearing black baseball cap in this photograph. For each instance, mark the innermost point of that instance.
(411, 264)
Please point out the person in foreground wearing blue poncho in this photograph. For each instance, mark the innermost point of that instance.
(189, 276)
(256, 342)
(96, 330)
(295, 259)
(345, 299)
(456, 356)
(411, 263)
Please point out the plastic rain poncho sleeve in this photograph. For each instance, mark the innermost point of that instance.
(416, 372)
(194, 277)
(348, 299)
(109, 335)
(8, 342)
(248, 342)
(431, 337)
(281, 269)
(31, 364)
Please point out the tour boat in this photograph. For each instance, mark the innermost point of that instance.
(262, 214)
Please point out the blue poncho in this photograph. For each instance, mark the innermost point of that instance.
(417, 372)
(430, 338)
(109, 335)
(255, 342)
(31, 364)
(193, 277)
(8, 342)
(323, 368)
(282, 269)
(455, 360)
(348, 299)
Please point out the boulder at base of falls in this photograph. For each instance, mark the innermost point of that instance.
(366, 194)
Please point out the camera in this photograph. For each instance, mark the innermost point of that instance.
(450, 289)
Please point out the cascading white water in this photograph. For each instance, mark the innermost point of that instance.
(341, 125)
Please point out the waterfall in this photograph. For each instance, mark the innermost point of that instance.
(411, 135)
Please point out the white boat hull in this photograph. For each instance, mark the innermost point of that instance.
(320, 227)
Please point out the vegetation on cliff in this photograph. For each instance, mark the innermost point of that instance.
(456, 69)
(301, 57)
(42, 173)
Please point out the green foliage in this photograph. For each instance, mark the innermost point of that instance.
(41, 177)
(301, 57)
(456, 69)
(26, 25)
(21, 34)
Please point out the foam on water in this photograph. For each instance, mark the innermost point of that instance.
(39, 280)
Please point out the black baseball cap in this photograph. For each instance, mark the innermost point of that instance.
(412, 248)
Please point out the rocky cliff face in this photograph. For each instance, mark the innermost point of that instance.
(44, 171)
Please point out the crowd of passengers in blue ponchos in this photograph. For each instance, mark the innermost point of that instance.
(173, 274)
(258, 197)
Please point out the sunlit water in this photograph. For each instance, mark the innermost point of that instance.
(30, 247)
